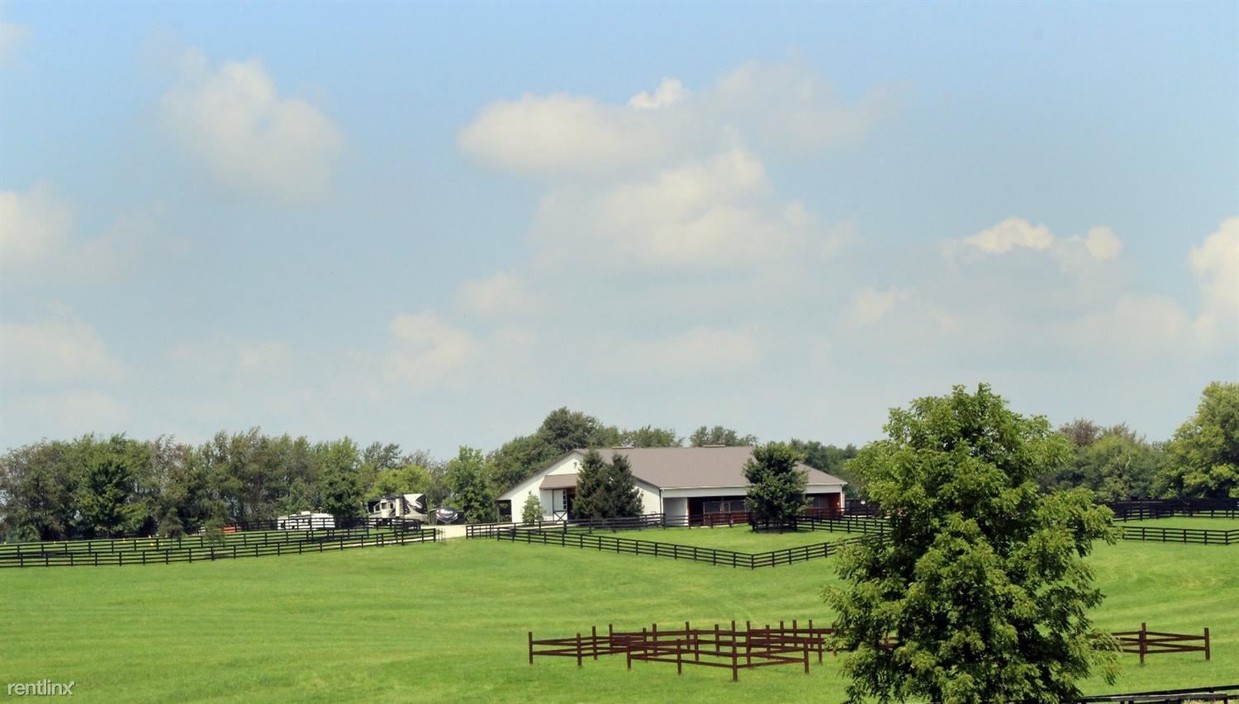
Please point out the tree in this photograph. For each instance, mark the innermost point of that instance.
(606, 489)
(625, 498)
(649, 436)
(1114, 463)
(981, 584)
(531, 512)
(591, 488)
(831, 460)
(471, 488)
(103, 499)
(1203, 455)
(776, 493)
(718, 435)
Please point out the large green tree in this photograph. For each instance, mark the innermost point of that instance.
(776, 493)
(1114, 463)
(1203, 455)
(472, 492)
(719, 435)
(606, 489)
(980, 592)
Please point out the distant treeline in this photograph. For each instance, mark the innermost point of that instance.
(95, 487)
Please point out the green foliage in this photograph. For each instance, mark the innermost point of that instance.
(776, 493)
(103, 499)
(1203, 455)
(472, 492)
(412, 479)
(606, 489)
(718, 435)
(831, 460)
(649, 436)
(981, 583)
(1114, 463)
(531, 511)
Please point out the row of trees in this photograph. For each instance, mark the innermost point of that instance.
(95, 486)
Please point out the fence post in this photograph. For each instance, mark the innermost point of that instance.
(578, 649)
(531, 647)
(1143, 641)
(1206, 643)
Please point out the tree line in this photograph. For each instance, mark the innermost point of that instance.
(93, 487)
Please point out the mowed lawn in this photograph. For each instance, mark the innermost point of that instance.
(448, 622)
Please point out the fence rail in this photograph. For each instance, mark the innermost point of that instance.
(564, 537)
(1216, 693)
(723, 647)
(1201, 536)
(1146, 642)
(135, 552)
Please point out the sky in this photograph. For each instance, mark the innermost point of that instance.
(433, 223)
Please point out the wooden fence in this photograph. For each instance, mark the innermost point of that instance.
(607, 543)
(1216, 693)
(1146, 642)
(155, 551)
(723, 647)
(1200, 536)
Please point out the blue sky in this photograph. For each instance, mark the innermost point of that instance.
(431, 224)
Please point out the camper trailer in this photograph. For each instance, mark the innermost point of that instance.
(410, 507)
(306, 520)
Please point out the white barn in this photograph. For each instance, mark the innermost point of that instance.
(694, 483)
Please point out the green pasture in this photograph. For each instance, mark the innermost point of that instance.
(448, 621)
(737, 538)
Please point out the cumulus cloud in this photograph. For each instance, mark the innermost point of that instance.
(58, 350)
(713, 214)
(869, 306)
(33, 226)
(697, 351)
(12, 36)
(563, 134)
(787, 105)
(669, 92)
(501, 294)
(1015, 234)
(1215, 264)
(425, 351)
(233, 120)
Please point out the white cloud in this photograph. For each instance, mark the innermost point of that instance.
(1215, 264)
(718, 213)
(869, 306)
(1102, 243)
(698, 351)
(1009, 234)
(561, 134)
(12, 36)
(233, 120)
(501, 294)
(669, 92)
(425, 351)
(786, 104)
(34, 226)
(58, 350)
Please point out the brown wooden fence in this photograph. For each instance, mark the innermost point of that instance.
(725, 647)
(1146, 642)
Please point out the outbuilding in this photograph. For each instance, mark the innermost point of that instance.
(693, 484)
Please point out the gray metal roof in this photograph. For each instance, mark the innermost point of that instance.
(697, 467)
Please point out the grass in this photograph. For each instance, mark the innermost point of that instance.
(447, 622)
(738, 538)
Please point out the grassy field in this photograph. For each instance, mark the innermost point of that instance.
(738, 538)
(448, 622)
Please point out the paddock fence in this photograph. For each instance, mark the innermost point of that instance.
(149, 551)
(1146, 642)
(727, 647)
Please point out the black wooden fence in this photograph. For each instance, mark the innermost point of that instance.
(147, 551)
